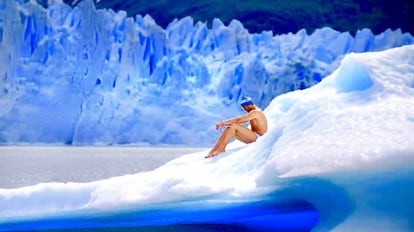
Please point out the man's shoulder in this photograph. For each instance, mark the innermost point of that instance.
(256, 111)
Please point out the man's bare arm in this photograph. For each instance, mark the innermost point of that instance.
(242, 119)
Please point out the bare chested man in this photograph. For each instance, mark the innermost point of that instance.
(258, 124)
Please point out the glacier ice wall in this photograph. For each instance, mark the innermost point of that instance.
(86, 76)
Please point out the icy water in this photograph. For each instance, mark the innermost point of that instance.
(29, 165)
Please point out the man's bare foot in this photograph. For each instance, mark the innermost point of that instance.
(212, 155)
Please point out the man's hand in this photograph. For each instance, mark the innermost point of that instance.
(219, 125)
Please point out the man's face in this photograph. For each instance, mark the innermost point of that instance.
(247, 108)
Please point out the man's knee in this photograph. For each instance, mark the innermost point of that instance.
(232, 127)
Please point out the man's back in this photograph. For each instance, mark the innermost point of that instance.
(259, 122)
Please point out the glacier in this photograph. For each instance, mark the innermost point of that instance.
(81, 76)
(339, 154)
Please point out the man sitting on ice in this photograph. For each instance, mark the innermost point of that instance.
(235, 129)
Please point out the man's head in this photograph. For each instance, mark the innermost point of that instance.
(247, 104)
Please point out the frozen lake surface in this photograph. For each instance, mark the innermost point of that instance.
(30, 165)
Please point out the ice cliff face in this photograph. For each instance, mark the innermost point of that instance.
(86, 76)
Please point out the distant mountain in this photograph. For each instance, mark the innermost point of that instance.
(280, 16)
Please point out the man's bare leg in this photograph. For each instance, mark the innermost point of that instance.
(223, 140)
(240, 132)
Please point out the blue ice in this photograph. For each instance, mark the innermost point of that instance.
(338, 155)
